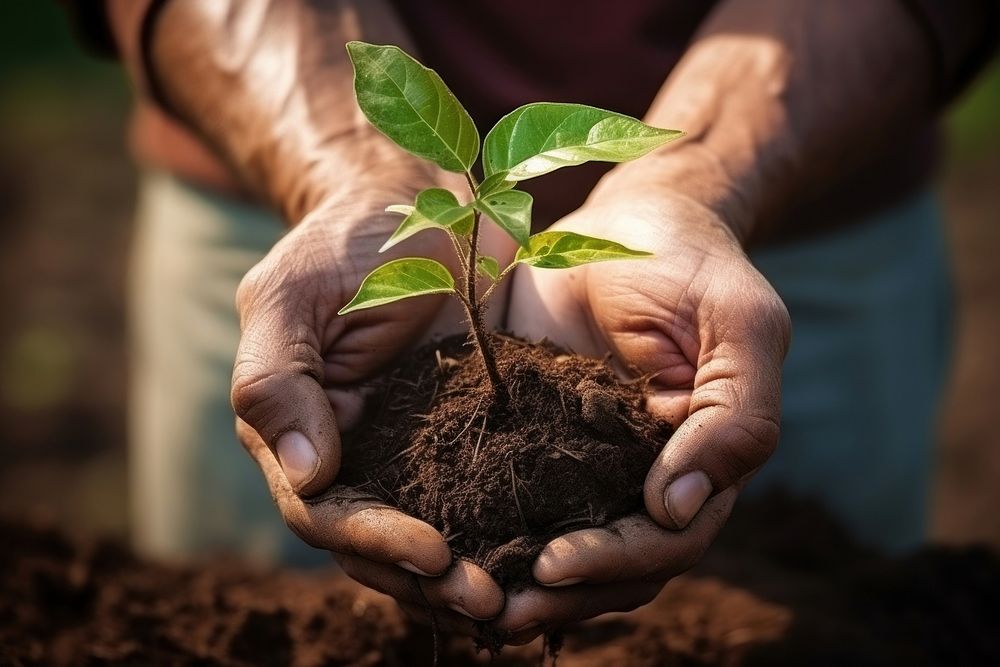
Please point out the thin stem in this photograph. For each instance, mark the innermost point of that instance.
(457, 245)
(470, 274)
(489, 290)
(471, 302)
(475, 315)
(473, 185)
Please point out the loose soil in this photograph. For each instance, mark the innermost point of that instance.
(782, 586)
(569, 448)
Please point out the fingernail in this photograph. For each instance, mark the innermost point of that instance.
(685, 496)
(410, 567)
(298, 458)
(454, 606)
(568, 581)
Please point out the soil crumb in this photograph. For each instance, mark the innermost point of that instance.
(569, 448)
(782, 586)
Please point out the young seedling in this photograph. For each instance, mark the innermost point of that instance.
(411, 105)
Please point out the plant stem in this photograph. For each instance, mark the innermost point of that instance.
(489, 290)
(476, 318)
(474, 308)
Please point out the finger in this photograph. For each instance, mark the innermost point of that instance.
(539, 609)
(346, 521)
(670, 405)
(276, 387)
(733, 422)
(348, 405)
(464, 588)
(632, 548)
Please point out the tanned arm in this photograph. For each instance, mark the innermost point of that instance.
(267, 84)
(779, 96)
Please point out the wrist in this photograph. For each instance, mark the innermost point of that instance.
(690, 173)
(352, 212)
(363, 177)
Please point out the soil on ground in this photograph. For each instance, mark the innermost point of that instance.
(567, 448)
(782, 586)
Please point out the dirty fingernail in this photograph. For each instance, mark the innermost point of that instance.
(685, 496)
(298, 458)
(454, 606)
(410, 567)
(568, 581)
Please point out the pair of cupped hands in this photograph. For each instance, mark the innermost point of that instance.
(696, 315)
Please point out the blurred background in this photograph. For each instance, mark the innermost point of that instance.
(66, 198)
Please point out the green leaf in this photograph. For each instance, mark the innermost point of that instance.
(436, 208)
(488, 265)
(401, 279)
(493, 184)
(410, 104)
(538, 138)
(562, 250)
(511, 210)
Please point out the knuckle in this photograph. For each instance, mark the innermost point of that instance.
(249, 391)
(257, 397)
(767, 316)
(750, 441)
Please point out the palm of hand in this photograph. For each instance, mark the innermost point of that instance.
(713, 333)
(297, 377)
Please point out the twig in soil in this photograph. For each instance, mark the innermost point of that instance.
(479, 440)
(642, 379)
(572, 521)
(456, 390)
(475, 413)
(572, 455)
(400, 453)
(454, 536)
(517, 501)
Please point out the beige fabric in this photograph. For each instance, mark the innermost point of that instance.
(193, 488)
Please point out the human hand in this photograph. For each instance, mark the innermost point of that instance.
(713, 331)
(296, 385)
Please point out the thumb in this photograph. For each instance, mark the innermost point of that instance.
(277, 391)
(734, 417)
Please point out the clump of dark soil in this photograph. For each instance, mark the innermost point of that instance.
(84, 602)
(782, 586)
(569, 447)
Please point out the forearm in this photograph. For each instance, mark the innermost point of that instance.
(779, 96)
(268, 85)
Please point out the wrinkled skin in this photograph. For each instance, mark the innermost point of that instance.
(701, 316)
(298, 370)
(715, 334)
(772, 102)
